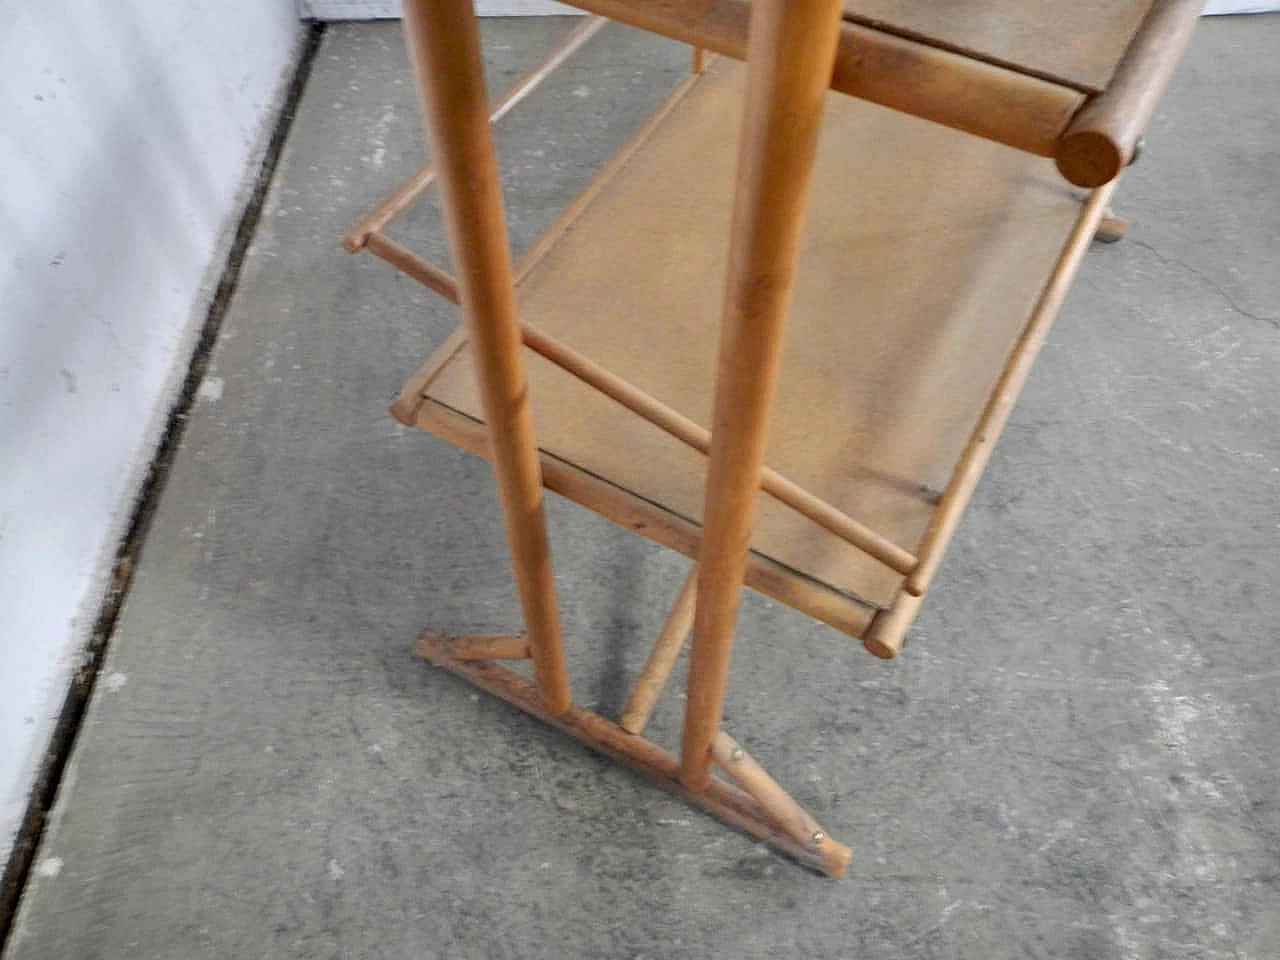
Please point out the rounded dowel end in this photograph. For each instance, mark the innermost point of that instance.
(888, 630)
(1091, 158)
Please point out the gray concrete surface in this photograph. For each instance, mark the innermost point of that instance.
(1075, 757)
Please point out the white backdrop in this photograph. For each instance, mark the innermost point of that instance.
(126, 132)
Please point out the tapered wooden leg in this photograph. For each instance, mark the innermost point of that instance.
(444, 44)
(790, 55)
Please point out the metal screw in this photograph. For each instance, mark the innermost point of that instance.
(818, 837)
(736, 754)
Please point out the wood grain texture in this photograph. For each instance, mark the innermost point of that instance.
(663, 656)
(474, 647)
(444, 45)
(789, 59)
(1074, 42)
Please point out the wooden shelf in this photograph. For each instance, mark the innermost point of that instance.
(1076, 43)
(916, 279)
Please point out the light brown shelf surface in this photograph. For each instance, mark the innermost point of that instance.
(924, 254)
(1077, 42)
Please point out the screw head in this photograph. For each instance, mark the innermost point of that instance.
(736, 754)
(818, 836)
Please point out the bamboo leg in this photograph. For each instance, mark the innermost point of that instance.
(433, 645)
(444, 44)
(661, 658)
(791, 51)
(699, 60)
(718, 798)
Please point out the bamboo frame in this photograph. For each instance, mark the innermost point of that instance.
(413, 189)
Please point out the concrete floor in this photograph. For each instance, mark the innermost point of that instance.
(1075, 756)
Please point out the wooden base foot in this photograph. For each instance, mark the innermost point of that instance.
(432, 646)
(1111, 227)
(721, 799)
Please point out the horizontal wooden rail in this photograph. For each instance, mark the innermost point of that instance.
(500, 646)
(698, 437)
(888, 629)
(412, 265)
(661, 525)
(992, 102)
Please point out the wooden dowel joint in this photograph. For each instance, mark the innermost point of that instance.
(747, 773)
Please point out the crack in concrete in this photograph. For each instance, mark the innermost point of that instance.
(1213, 284)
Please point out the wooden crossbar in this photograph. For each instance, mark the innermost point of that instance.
(654, 411)
(413, 189)
(662, 658)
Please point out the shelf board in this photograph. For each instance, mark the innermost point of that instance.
(1077, 43)
(925, 251)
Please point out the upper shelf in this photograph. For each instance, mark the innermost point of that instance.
(1077, 43)
(1076, 80)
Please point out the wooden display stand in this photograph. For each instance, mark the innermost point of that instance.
(646, 328)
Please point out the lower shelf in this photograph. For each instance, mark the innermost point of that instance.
(925, 253)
